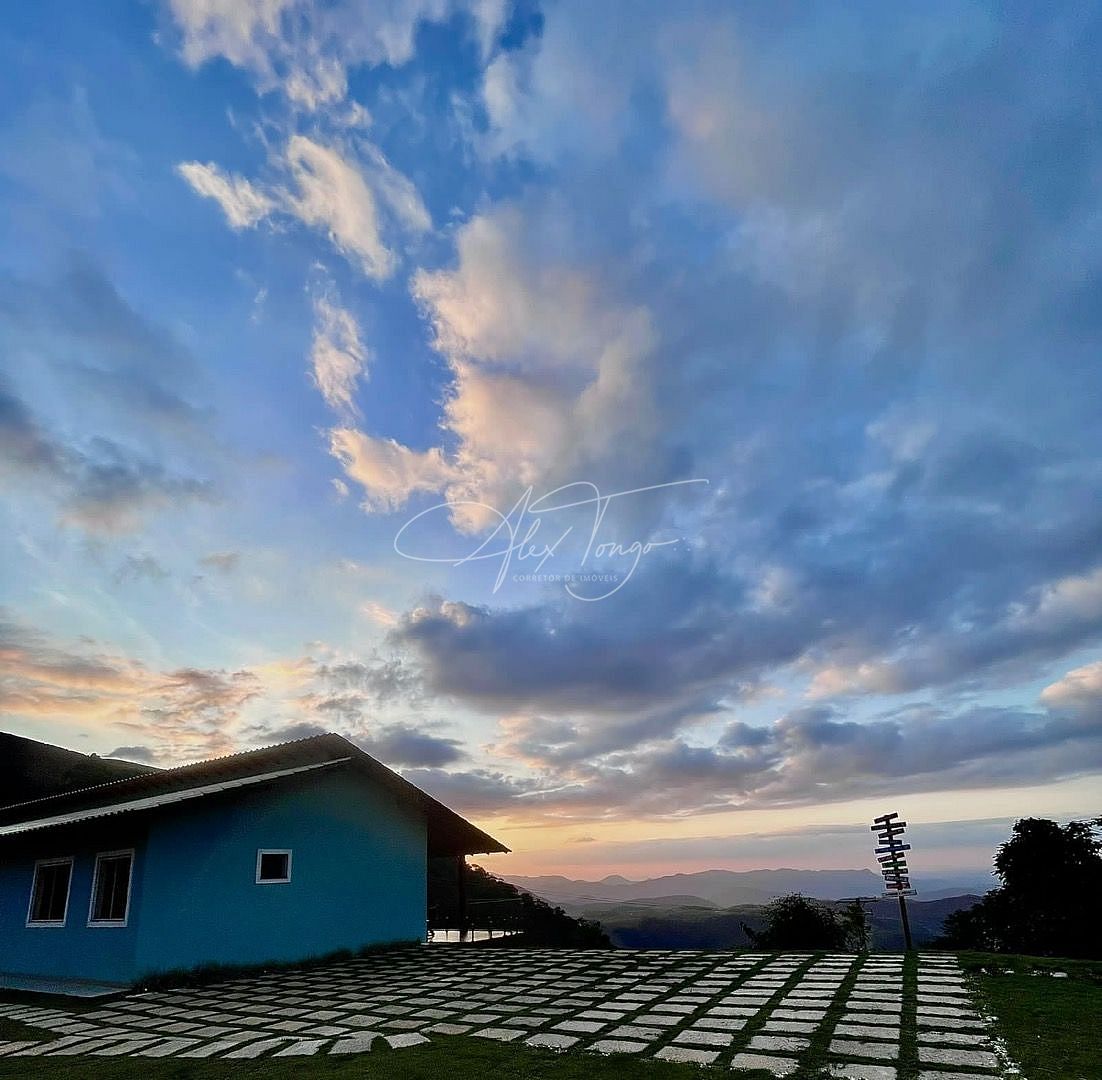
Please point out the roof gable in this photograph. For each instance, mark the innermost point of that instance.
(448, 832)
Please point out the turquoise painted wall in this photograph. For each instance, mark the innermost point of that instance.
(358, 875)
(358, 878)
(75, 950)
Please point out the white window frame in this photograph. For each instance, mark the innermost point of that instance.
(59, 861)
(101, 855)
(260, 853)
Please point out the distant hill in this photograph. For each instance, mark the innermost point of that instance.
(32, 770)
(730, 888)
(634, 926)
(724, 888)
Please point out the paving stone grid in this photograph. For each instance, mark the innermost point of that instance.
(741, 1011)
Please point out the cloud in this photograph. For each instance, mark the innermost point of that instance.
(815, 756)
(377, 680)
(546, 373)
(141, 568)
(305, 49)
(102, 488)
(141, 754)
(236, 31)
(89, 336)
(1079, 691)
(113, 492)
(26, 447)
(333, 196)
(338, 355)
(388, 472)
(472, 791)
(180, 713)
(225, 562)
(346, 190)
(399, 744)
(243, 204)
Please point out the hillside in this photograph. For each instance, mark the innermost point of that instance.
(635, 926)
(31, 770)
(732, 888)
(724, 888)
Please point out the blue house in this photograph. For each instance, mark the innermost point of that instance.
(280, 854)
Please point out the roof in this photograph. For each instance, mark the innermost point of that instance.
(448, 832)
(152, 802)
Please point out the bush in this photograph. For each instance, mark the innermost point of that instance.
(797, 922)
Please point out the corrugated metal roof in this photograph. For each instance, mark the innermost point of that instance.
(154, 801)
(448, 832)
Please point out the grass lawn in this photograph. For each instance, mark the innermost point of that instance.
(445, 1058)
(1052, 1026)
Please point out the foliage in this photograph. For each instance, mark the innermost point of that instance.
(798, 922)
(493, 904)
(1051, 877)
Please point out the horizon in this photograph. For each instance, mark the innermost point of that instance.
(667, 456)
(959, 868)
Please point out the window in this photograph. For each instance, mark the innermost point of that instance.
(50, 892)
(273, 867)
(111, 889)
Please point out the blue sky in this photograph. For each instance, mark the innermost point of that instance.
(818, 290)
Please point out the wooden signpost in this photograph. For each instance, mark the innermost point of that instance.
(891, 854)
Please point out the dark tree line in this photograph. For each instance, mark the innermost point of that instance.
(1047, 901)
(493, 904)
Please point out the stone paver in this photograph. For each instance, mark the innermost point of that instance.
(938, 1055)
(552, 1041)
(884, 1051)
(687, 1054)
(776, 1065)
(618, 1046)
(736, 1011)
(854, 1071)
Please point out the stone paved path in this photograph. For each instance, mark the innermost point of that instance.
(743, 1011)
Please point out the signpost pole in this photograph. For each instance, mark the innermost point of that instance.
(906, 923)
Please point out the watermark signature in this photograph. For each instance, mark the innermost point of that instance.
(527, 538)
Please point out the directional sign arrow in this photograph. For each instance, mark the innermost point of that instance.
(887, 817)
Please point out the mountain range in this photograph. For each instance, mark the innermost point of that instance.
(731, 888)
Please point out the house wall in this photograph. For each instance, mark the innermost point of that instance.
(358, 875)
(358, 878)
(75, 950)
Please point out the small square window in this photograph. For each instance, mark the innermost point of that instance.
(50, 892)
(273, 867)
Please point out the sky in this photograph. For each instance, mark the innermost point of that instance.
(671, 434)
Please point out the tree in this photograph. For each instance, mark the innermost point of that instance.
(496, 904)
(1050, 881)
(797, 922)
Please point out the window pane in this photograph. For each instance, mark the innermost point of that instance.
(51, 890)
(112, 889)
(274, 866)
